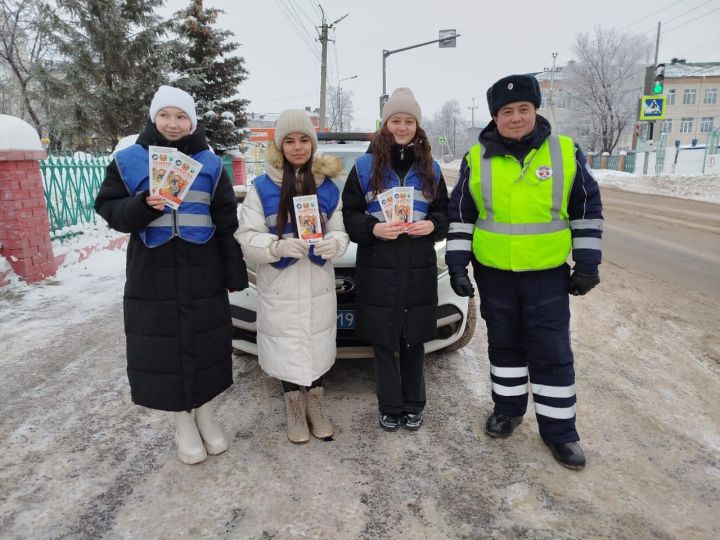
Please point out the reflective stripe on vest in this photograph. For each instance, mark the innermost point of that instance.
(363, 166)
(522, 208)
(192, 220)
(268, 191)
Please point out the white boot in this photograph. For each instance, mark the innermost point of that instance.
(189, 444)
(211, 433)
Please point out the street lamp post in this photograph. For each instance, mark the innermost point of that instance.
(447, 39)
(338, 111)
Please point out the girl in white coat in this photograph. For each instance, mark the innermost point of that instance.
(297, 306)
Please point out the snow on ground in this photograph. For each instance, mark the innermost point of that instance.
(89, 278)
(699, 187)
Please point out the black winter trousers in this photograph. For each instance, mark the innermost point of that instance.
(400, 378)
(528, 327)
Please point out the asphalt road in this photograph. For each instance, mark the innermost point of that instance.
(675, 240)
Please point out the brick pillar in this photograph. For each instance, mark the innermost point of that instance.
(24, 224)
(589, 157)
(239, 170)
(604, 160)
(621, 161)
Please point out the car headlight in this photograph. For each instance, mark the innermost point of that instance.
(440, 248)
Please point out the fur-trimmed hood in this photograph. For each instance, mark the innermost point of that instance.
(323, 165)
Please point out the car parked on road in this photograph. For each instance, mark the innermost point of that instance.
(456, 315)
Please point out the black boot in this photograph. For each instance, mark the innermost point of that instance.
(568, 454)
(499, 425)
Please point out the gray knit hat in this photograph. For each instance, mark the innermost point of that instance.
(169, 96)
(294, 121)
(402, 100)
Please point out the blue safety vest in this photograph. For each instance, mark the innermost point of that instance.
(191, 221)
(268, 191)
(363, 166)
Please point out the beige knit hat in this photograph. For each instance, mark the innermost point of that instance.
(294, 121)
(402, 100)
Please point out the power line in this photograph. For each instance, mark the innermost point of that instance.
(691, 20)
(299, 28)
(645, 18)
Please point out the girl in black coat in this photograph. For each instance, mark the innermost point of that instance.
(180, 265)
(396, 295)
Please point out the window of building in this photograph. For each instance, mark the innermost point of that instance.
(564, 100)
(689, 96)
(543, 99)
(706, 124)
(666, 126)
(686, 125)
(671, 97)
(710, 96)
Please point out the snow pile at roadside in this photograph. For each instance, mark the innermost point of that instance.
(696, 187)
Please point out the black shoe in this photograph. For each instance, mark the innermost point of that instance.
(568, 454)
(389, 422)
(412, 421)
(499, 425)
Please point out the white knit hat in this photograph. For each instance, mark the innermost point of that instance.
(169, 96)
(294, 121)
(402, 100)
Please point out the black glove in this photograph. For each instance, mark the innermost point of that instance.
(460, 283)
(581, 283)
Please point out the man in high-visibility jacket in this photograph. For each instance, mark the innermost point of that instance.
(525, 199)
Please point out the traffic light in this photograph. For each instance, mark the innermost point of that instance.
(659, 82)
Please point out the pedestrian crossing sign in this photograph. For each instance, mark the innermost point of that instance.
(653, 108)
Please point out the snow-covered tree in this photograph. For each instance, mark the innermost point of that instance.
(340, 109)
(605, 83)
(112, 60)
(212, 74)
(23, 46)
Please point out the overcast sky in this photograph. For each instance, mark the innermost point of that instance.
(496, 39)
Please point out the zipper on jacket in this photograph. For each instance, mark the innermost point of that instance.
(174, 220)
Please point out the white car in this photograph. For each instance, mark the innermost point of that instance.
(456, 315)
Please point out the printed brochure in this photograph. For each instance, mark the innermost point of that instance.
(387, 200)
(307, 217)
(161, 159)
(178, 179)
(403, 205)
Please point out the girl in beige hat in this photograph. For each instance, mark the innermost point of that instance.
(296, 305)
(396, 295)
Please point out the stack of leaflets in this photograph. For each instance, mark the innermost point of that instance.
(397, 205)
(307, 217)
(180, 171)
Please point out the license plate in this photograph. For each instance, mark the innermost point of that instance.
(346, 318)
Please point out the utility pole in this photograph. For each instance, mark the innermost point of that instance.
(652, 122)
(551, 102)
(472, 112)
(323, 67)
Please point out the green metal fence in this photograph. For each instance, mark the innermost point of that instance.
(612, 163)
(227, 163)
(71, 184)
(630, 163)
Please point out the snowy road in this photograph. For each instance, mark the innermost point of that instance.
(78, 460)
(676, 240)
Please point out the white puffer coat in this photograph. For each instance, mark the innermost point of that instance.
(296, 310)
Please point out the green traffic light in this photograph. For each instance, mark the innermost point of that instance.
(658, 88)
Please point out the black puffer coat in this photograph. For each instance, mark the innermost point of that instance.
(396, 279)
(177, 314)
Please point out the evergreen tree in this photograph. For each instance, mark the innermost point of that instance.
(212, 75)
(112, 61)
